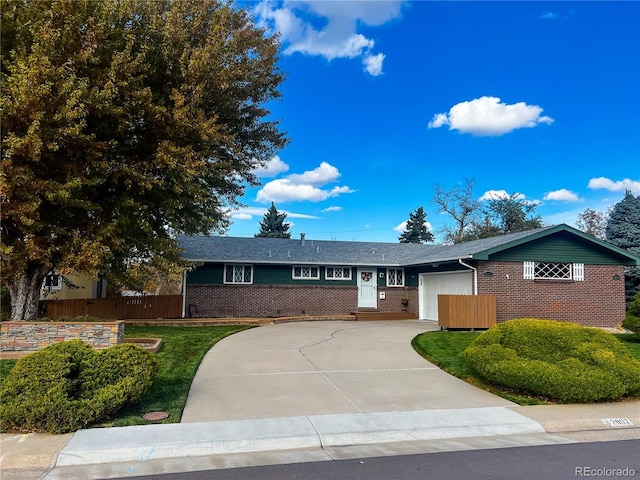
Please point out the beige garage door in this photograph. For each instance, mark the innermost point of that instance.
(434, 284)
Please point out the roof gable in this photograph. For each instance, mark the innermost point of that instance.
(560, 243)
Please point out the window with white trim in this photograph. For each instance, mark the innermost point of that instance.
(53, 282)
(234, 273)
(305, 272)
(554, 271)
(395, 277)
(337, 273)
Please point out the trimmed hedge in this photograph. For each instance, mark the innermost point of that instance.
(632, 319)
(559, 360)
(68, 385)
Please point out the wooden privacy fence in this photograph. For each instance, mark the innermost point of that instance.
(466, 311)
(117, 308)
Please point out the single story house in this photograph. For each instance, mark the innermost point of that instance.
(554, 272)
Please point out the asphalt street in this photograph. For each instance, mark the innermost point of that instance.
(602, 460)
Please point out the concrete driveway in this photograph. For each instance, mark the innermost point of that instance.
(318, 368)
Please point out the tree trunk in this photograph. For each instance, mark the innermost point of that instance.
(25, 293)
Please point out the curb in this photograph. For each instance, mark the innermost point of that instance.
(169, 441)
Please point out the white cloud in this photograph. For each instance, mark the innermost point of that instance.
(338, 37)
(241, 216)
(403, 227)
(304, 186)
(332, 209)
(325, 173)
(248, 213)
(563, 195)
(615, 186)
(488, 116)
(373, 64)
(549, 16)
(272, 168)
(494, 195)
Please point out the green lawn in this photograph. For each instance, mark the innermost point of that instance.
(445, 349)
(180, 355)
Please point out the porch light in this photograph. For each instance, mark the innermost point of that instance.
(616, 277)
(488, 274)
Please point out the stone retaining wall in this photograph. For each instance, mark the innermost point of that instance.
(32, 336)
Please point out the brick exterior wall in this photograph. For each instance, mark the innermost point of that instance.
(264, 301)
(393, 296)
(32, 336)
(598, 301)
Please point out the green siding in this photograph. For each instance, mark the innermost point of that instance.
(560, 247)
(263, 275)
(206, 274)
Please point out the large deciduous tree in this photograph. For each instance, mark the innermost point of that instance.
(513, 214)
(272, 224)
(459, 203)
(416, 230)
(593, 223)
(123, 122)
(623, 230)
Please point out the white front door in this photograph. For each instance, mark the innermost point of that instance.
(367, 288)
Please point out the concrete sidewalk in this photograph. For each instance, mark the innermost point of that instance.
(172, 448)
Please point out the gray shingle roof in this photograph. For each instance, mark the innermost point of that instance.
(325, 252)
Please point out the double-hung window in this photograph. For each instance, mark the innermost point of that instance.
(235, 273)
(305, 272)
(554, 271)
(337, 273)
(395, 277)
(53, 282)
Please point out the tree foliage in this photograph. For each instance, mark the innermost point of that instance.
(416, 230)
(623, 230)
(272, 224)
(513, 214)
(473, 220)
(593, 223)
(124, 122)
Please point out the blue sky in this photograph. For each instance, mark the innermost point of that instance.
(384, 99)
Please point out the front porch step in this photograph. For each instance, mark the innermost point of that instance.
(375, 315)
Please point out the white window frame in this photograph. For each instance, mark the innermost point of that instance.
(343, 277)
(395, 283)
(576, 271)
(57, 285)
(301, 275)
(233, 275)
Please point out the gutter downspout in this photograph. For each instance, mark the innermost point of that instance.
(184, 294)
(475, 275)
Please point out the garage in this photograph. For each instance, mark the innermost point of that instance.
(448, 283)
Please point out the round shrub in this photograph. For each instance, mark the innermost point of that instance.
(631, 321)
(68, 385)
(559, 360)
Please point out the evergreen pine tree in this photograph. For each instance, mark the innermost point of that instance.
(623, 230)
(273, 226)
(416, 230)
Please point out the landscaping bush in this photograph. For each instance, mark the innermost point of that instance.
(559, 360)
(68, 385)
(631, 321)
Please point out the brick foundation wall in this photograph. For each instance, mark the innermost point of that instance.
(264, 301)
(598, 301)
(393, 296)
(32, 336)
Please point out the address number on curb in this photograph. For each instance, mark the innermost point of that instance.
(616, 422)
